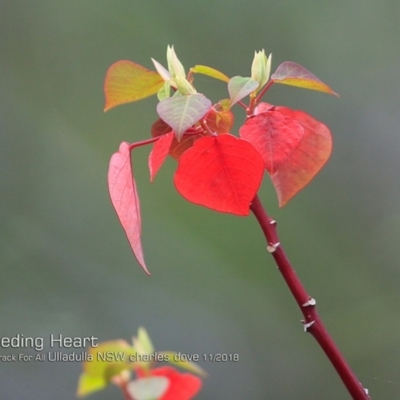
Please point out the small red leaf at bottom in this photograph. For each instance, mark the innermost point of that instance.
(124, 197)
(159, 153)
(220, 172)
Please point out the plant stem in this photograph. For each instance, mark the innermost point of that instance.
(312, 322)
(125, 392)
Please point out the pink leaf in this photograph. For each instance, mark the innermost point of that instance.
(124, 197)
(159, 153)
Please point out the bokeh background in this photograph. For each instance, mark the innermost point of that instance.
(65, 265)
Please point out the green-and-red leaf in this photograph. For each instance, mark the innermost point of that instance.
(181, 112)
(220, 172)
(127, 81)
(124, 197)
(159, 153)
(274, 135)
(293, 74)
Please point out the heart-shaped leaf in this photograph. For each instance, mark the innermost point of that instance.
(127, 81)
(306, 160)
(124, 197)
(274, 135)
(181, 112)
(220, 172)
(239, 87)
(159, 153)
(293, 74)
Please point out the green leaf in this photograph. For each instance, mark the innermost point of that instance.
(142, 342)
(127, 81)
(164, 92)
(175, 67)
(174, 359)
(213, 73)
(88, 384)
(293, 74)
(148, 388)
(181, 112)
(104, 362)
(239, 87)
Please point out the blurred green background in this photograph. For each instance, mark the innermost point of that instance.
(65, 264)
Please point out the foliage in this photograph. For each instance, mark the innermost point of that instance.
(114, 361)
(216, 169)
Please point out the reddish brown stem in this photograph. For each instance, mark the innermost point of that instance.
(263, 91)
(312, 322)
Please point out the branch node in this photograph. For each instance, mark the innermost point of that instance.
(272, 247)
(307, 325)
(310, 303)
(272, 222)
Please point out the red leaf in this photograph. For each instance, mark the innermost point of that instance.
(159, 153)
(220, 120)
(306, 160)
(220, 172)
(160, 128)
(182, 386)
(125, 200)
(274, 135)
(177, 147)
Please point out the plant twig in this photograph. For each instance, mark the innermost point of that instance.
(312, 322)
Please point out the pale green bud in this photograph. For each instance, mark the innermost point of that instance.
(261, 68)
(175, 67)
(184, 86)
